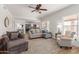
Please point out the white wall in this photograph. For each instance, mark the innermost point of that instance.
(56, 17)
(19, 21)
(3, 13)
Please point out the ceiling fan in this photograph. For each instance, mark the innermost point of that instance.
(38, 8)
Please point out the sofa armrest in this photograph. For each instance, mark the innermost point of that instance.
(5, 40)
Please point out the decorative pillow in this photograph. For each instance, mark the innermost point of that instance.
(38, 31)
(14, 36)
(32, 31)
(8, 34)
(20, 35)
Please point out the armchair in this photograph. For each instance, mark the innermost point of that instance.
(14, 44)
(65, 40)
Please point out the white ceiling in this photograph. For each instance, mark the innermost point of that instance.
(23, 11)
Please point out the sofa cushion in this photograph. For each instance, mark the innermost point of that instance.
(32, 31)
(8, 34)
(20, 35)
(15, 43)
(14, 36)
(37, 30)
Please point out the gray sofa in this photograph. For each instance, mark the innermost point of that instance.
(14, 43)
(35, 33)
(38, 33)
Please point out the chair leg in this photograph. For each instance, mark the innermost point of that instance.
(26, 49)
(60, 46)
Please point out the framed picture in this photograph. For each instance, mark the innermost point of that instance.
(6, 21)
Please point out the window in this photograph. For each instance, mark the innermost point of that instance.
(45, 25)
(71, 25)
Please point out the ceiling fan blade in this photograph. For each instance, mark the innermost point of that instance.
(44, 9)
(33, 10)
(31, 7)
(39, 5)
(39, 12)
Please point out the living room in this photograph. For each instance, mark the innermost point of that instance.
(39, 28)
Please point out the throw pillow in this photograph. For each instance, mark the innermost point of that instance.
(14, 36)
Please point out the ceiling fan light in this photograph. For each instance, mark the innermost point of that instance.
(40, 12)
